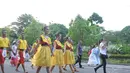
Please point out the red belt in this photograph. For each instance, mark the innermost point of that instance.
(67, 49)
(21, 49)
(1, 47)
(58, 48)
(44, 44)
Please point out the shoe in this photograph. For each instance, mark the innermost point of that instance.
(95, 70)
(64, 69)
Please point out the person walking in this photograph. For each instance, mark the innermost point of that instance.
(79, 54)
(103, 55)
(42, 58)
(57, 59)
(22, 46)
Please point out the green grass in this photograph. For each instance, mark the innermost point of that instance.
(119, 61)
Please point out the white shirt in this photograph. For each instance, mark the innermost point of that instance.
(103, 50)
(14, 49)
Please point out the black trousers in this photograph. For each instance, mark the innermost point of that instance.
(79, 60)
(103, 58)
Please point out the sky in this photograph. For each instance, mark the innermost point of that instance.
(115, 13)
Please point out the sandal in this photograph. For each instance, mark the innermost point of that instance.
(76, 70)
(65, 69)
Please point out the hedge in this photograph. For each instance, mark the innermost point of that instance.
(120, 56)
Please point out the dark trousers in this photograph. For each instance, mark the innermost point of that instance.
(79, 60)
(103, 58)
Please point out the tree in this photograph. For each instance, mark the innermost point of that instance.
(22, 22)
(95, 18)
(82, 29)
(78, 29)
(57, 28)
(33, 31)
(125, 34)
(113, 36)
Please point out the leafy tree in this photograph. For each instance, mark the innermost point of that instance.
(113, 36)
(22, 22)
(95, 18)
(33, 31)
(55, 28)
(125, 34)
(82, 29)
(78, 29)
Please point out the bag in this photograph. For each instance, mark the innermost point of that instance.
(89, 52)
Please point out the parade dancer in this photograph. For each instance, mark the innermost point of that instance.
(42, 57)
(22, 46)
(4, 44)
(72, 58)
(14, 57)
(68, 54)
(58, 59)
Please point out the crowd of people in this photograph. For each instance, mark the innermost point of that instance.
(48, 54)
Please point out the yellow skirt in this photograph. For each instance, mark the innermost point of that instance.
(42, 57)
(67, 57)
(58, 58)
(72, 58)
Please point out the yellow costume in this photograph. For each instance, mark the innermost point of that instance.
(67, 55)
(72, 55)
(22, 44)
(4, 42)
(43, 55)
(58, 58)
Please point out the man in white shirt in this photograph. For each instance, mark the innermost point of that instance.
(103, 55)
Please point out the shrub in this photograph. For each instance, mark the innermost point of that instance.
(120, 56)
(115, 49)
(125, 49)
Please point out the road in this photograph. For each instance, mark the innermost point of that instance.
(87, 69)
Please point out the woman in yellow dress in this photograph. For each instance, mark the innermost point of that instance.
(42, 57)
(34, 50)
(57, 59)
(67, 54)
(73, 57)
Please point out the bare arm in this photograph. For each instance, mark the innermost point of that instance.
(77, 51)
(64, 47)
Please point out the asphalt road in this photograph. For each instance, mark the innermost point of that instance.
(87, 69)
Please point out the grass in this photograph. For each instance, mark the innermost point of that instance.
(119, 61)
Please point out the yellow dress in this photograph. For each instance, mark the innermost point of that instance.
(58, 58)
(72, 55)
(67, 54)
(43, 55)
